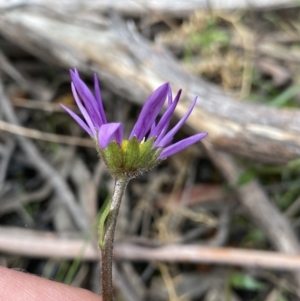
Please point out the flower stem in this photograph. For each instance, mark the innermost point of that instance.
(108, 240)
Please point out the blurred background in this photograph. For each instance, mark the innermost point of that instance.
(218, 221)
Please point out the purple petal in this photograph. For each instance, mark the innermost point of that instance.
(99, 99)
(149, 112)
(170, 96)
(87, 98)
(165, 119)
(108, 131)
(162, 133)
(78, 120)
(179, 146)
(119, 134)
(152, 128)
(83, 110)
(169, 137)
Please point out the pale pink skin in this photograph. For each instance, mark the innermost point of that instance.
(20, 286)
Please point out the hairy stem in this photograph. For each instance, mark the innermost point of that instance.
(108, 240)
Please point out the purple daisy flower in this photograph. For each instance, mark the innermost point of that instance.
(104, 133)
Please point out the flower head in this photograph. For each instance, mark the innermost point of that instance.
(150, 140)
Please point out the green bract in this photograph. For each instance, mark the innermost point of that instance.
(130, 159)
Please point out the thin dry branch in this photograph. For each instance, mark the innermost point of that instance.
(38, 135)
(203, 254)
(37, 244)
(137, 7)
(117, 52)
(11, 204)
(4, 164)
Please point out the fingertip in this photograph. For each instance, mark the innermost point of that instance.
(19, 286)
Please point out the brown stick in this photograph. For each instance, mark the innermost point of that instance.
(117, 53)
(37, 244)
(35, 134)
(202, 254)
(137, 7)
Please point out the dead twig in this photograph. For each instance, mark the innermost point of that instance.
(254, 131)
(57, 182)
(138, 7)
(38, 135)
(39, 105)
(37, 244)
(6, 156)
(8, 205)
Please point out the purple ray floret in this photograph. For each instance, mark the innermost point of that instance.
(109, 131)
(165, 119)
(166, 140)
(179, 146)
(150, 111)
(91, 108)
(162, 139)
(147, 126)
